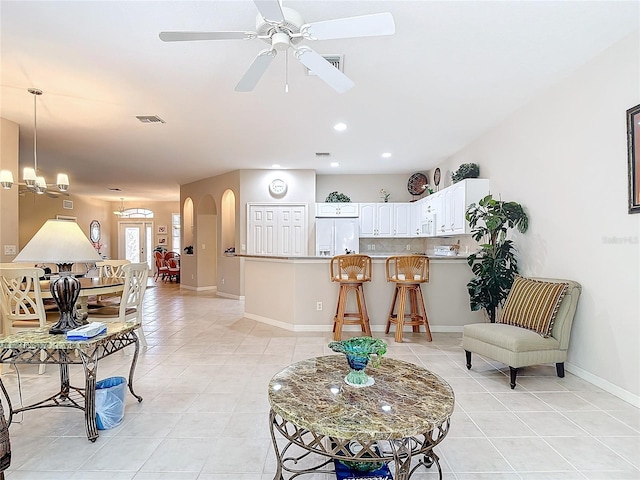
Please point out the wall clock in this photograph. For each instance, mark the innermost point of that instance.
(417, 183)
(278, 187)
(436, 177)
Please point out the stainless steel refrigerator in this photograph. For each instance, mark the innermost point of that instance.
(337, 236)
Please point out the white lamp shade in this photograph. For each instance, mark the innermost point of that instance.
(6, 178)
(58, 241)
(29, 176)
(63, 181)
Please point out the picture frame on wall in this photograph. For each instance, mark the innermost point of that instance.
(633, 148)
(162, 240)
(162, 230)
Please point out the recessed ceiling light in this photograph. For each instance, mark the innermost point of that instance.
(334, 164)
(386, 155)
(275, 165)
(340, 127)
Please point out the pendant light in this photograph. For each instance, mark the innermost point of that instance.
(34, 182)
(120, 212)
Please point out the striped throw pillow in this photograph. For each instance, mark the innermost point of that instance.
(533, 304)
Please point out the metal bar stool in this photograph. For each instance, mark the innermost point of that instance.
(407, 272)
(350, 271)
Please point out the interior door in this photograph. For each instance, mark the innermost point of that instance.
(134, 241)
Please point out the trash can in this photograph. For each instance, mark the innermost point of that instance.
(110, 402)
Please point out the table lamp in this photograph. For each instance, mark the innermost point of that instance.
(61, 242)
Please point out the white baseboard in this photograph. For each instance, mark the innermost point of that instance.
(231, 296)
(199, 289)
(604, 384)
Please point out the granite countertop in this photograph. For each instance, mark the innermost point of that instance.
(405, 400)
(374, 256)
(41, 338)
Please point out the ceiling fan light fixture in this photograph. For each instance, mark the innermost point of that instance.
(29, 176)
(6, 179)
(41, 185)
(62, 182)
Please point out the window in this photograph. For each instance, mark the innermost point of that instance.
(175, 232)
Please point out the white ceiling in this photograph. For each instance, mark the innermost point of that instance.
(453, 70)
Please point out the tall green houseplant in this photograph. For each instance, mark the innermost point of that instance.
(495, 265)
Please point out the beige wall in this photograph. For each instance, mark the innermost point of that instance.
(365, 188)
(564, 158)
(9, 147)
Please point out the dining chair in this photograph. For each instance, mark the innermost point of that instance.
(109, 269)
(161, 267)
(21, 302)
(172, 262)
(130, 308)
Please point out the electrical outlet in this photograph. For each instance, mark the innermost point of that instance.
(319, 306)
(373, 247)
(222, 280)
(408, 247)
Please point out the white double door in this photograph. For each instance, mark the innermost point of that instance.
(135, 241)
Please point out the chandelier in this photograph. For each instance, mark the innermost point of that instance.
(120, 213)
(34, 182)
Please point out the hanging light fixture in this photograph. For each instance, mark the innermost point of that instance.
(34, 182)
(120, 213)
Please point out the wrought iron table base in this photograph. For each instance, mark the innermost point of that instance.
(402, 450)
(70, 396)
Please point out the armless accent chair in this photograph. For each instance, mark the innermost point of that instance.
(533, 328)
(109, 269)
(408, 273)
(130, 308)
(350, 272)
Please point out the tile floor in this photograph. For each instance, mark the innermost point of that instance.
(204, 415)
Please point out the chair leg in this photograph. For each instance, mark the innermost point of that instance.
(362, 307)
(339, 318)
(468, 355)
(393, 305)
(560, 369)
(400, 317)
(513, 372)
(424, 313)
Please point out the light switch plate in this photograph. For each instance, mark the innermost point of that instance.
(10, 250)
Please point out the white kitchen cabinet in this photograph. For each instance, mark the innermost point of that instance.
(277, 229)
(424, 216)
(451, 205)
(385, 220)
(337, 210)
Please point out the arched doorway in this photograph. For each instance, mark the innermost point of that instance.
(206, 232)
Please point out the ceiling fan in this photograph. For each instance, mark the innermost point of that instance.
(283, 28)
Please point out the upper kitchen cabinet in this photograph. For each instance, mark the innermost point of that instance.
(337, 209)
(385, 220)
(451, 205)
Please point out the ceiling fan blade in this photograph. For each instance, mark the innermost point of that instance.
(351, 27)
(323, 69)
(191, 36)
(260, 64)
(270, 10)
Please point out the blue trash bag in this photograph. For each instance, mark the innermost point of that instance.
(110, 402)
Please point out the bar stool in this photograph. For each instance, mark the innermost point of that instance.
(407, 272)
(350, 271)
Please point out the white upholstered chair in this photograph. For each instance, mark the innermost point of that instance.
(519, 347)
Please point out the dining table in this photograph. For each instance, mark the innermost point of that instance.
(89, 286)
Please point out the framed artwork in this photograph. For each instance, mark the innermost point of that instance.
(162, 240)
(633, 148)
(162, 230)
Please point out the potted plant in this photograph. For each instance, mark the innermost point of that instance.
(466, 170)
(495, 265)
(335, 197)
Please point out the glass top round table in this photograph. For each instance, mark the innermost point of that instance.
(401, 417)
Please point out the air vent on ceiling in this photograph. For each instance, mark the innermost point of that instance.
(150, 119)
(323, 154)
(336, 60)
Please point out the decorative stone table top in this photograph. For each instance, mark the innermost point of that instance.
(41, 338)
(406, 400)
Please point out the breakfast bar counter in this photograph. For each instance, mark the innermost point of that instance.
(297, 294)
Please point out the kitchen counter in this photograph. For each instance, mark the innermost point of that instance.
(296, 293)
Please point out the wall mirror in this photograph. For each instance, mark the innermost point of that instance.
(633, 139)
(94, 231)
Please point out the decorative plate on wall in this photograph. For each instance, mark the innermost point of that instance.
(436, 177)
(417, 183)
